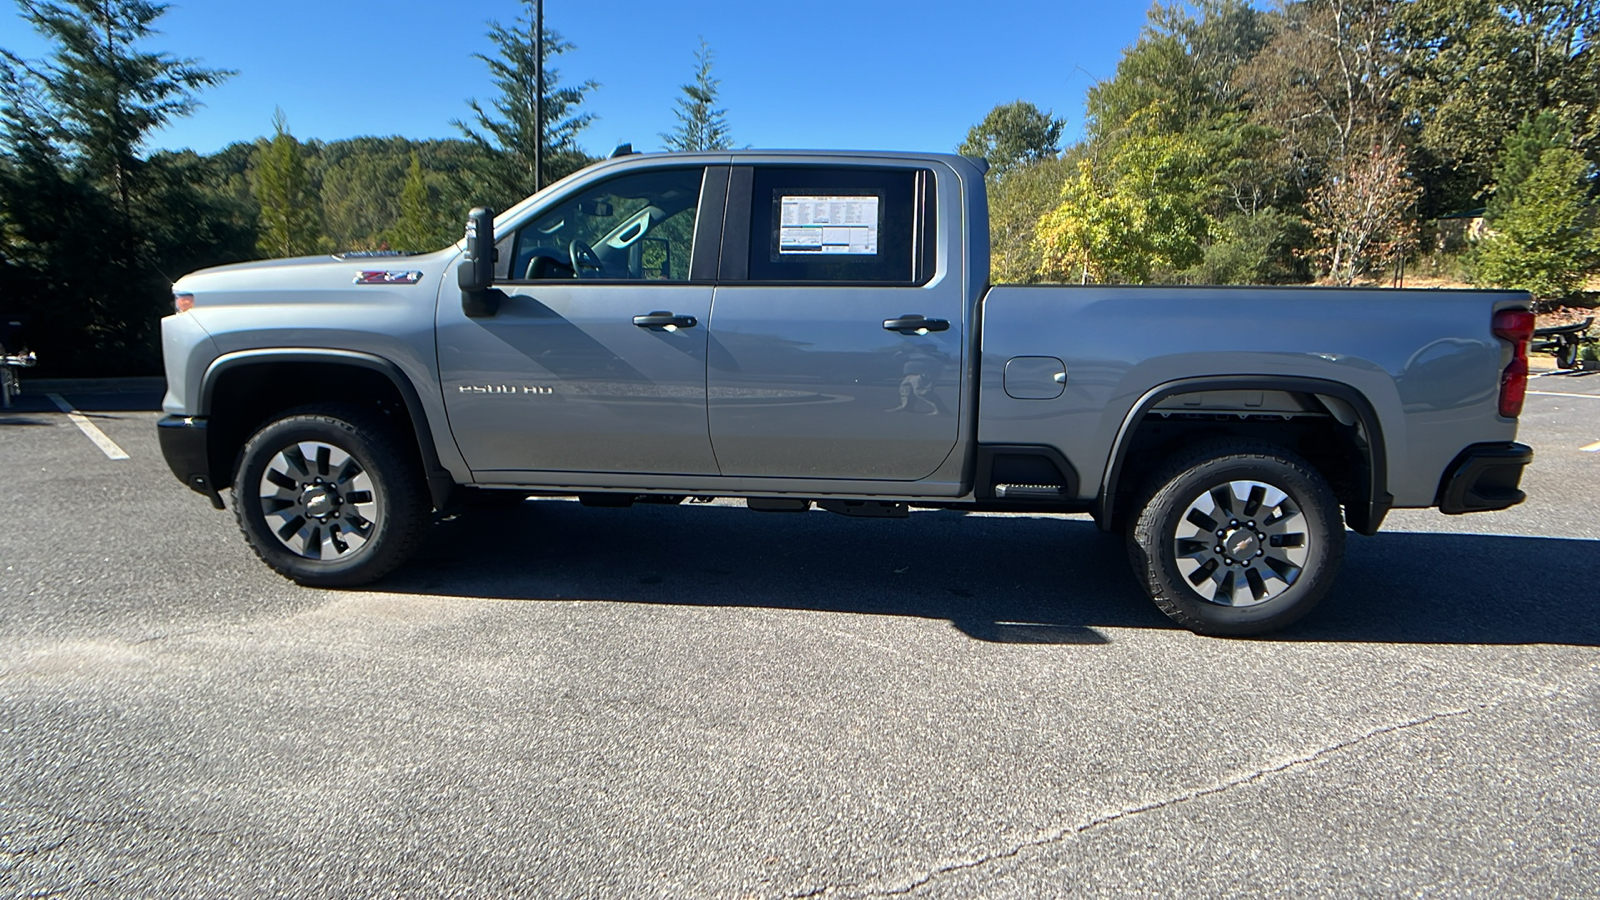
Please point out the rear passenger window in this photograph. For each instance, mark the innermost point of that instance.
(840, 225)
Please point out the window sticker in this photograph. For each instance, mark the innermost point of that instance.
(846, 225)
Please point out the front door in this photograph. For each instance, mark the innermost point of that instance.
(596, 359)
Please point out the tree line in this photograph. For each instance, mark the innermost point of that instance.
(94, 229)
(1321, 140)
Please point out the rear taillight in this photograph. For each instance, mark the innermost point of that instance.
(1516, 326)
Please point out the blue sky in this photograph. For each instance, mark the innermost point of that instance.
(867, 74)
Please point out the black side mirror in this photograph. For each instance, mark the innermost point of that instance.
(475, 275)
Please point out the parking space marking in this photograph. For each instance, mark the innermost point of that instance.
(106, 445)
(1559, 394)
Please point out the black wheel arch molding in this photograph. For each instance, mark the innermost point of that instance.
(441, 483)
(1363, 517)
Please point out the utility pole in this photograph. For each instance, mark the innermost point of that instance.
(538, 98)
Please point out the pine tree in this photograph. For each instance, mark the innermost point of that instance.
(701, 126)
(107, 96)
(1521, 154)
(1547, 241)
(418, 218)
(508, 140)
(87, 221)
(290, 224)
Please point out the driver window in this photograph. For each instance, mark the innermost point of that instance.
(635, 227)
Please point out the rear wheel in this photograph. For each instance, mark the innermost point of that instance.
(326, 496)
(1237, 538)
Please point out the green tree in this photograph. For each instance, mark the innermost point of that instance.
(1016, 204)
(105, 94)
(701, 126)
(361, 182)
(1260, 247)
(1182, 74)
(1328, 79)
(1520, 156)
(1013, 135)
(1157, 89)
(418, 218)
(89, 243)
(1186, 77)
(1474, 69)
(289, 224)
(1131, 216)
(1547, 241)
(508, 137)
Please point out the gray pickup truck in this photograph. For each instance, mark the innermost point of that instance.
(806, 329)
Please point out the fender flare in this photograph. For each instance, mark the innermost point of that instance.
(440, 482)
(1364, 517)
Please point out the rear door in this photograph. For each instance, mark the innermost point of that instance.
(836, 338)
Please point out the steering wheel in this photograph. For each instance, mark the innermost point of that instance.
(584, 257)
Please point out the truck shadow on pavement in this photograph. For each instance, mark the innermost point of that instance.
(1013, 579)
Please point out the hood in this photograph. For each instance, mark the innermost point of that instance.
(321, 273)
(343, 280)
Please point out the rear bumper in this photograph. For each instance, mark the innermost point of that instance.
(184, 445)
(1484, 477)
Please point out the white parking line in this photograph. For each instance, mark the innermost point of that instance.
(106, 445)
(1559, 394)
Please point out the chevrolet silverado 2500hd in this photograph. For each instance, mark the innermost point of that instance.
(814, 328)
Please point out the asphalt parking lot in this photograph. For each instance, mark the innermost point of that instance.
(701, 701)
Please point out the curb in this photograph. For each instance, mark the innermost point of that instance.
(93, 385)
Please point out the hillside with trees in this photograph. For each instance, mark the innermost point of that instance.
(1332, 141)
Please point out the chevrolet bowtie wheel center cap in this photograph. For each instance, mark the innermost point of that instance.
(319, 501)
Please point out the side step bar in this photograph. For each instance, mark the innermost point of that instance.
(1029, 491)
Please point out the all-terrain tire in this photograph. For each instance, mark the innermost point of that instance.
(1272, 534)
(331, 495)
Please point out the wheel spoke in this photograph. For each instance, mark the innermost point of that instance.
(1287, 571)
(1200, 520)
(296, 462)
(1252, 503)
(348, 470)
(1222, 497)
(282, 480)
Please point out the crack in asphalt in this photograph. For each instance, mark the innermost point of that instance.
(1128, 812)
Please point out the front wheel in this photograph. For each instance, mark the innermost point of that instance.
(326, 496)
(1237, 538)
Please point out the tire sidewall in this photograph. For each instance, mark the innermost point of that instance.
(1324, 528)
(259, 451)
